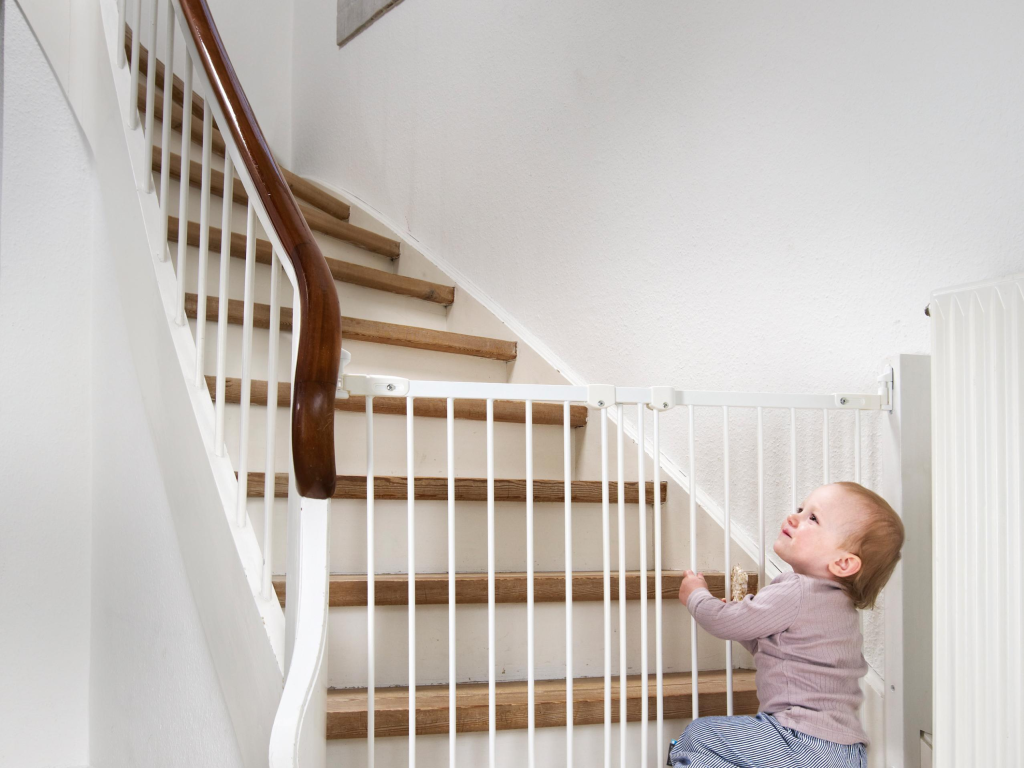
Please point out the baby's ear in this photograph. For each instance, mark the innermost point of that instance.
(844, 566)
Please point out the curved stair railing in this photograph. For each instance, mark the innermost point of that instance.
(298, 735)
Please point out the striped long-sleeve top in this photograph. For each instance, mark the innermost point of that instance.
(805, 637)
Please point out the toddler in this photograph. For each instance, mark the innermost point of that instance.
(804, 634)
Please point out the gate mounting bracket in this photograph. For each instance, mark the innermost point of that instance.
(600, 395)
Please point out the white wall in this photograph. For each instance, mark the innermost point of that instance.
(46, 237)
(154, 699)
(722, 196)
(106, 662)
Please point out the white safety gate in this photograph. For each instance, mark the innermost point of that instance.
(623, 401)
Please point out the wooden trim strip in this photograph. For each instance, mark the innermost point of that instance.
(346, 707)
(394, 488)
(343, 271)
(508, 411)
(318, 353)
(349, 590)
(372, 331)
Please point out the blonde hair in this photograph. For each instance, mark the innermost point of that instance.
(877, 541)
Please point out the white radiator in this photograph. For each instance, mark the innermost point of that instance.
(977, 334)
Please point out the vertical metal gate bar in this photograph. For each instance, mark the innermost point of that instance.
(694, 683)
(623, 698)
(606, 559)
(567, 474)
(411, 548)
(728, 555)
(530, 701)
(826, 475)
(761, 544)
(371, 592)
(492, 722)
(642, 515)
(658, 645)
(452, 719)
(856, 446)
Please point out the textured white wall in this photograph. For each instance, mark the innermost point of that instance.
(154, 697)
(722, 196)
(45, 417)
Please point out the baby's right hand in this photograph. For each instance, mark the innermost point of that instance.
(691, 582)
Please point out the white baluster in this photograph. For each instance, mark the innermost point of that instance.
(204, 245)
(165, 130)
(121, 33)
(243, 444)
(150, 92)
(133, 91)
(222, 312)
(269, 481)
(186, 151)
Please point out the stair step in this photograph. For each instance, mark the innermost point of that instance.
(302, 189)
(319, 222)
(354, 274)
(347, 707)
(392, 488)
(507, 411)
(355, 329)
(349, 590)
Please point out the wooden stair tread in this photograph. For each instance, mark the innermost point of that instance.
(343, 271)
(395, 488)
(356, 329)
(318, 221)
(507, 411)
(347, 707)
(349, 590)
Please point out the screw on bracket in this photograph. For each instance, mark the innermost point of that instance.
(843, 401)
(391, 387)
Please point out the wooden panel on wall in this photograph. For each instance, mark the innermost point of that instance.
(356, 15)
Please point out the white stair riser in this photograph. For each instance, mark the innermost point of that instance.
(348, 536)
(347, 655)
(355, 300)
(511, 748)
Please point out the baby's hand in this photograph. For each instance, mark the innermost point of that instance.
(691, 581)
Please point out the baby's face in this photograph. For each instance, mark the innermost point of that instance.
(814, 535)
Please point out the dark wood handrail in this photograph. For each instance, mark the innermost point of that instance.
(319, 348)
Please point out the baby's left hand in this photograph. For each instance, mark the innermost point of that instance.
(691, 581)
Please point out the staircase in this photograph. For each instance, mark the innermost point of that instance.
(546, 632)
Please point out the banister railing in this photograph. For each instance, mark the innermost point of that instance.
(210, 85)
(319, 346)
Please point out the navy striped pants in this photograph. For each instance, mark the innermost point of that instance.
(758, 742)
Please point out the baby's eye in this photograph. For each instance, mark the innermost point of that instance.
(799, 510)
(814, 517)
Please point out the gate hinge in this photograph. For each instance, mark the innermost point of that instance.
(374, 386)
(600, 395)
(662, 398)
(885, 388)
